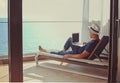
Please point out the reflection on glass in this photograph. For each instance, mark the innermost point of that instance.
(3, 37)
(3, 28)
(4, 76)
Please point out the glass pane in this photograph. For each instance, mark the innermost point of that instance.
(3, 28)
(4, 41)
(49, 23)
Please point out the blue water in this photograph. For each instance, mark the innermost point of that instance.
(3, 39)
(48, 35)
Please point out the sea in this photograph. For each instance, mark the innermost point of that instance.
(49, 35)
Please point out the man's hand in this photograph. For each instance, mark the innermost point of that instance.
(84, 54)
(84, 43)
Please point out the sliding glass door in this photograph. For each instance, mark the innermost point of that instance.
(17, 66)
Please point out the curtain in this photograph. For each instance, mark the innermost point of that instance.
(95, 12)
(85, 19)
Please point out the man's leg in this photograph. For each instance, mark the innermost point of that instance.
(75, 49)
(42, 50)
(62, 53)
(68, 44)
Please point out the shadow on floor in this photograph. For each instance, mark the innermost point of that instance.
(51, 72)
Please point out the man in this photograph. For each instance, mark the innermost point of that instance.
(77, 51)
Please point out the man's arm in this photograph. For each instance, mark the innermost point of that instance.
(77, 56)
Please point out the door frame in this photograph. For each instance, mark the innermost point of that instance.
(15, 47)
(15, 56)
(113, 47)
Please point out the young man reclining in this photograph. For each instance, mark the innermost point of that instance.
(77, 51)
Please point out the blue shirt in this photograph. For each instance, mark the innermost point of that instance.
(89, 46)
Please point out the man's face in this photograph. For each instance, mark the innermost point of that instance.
(92, 35)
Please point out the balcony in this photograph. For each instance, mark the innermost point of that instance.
(52, 71)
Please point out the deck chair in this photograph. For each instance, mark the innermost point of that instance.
(89, 61)
(99, 48)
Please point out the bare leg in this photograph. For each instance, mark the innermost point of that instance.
(42, 50)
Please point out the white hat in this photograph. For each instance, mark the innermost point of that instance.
(94, 29)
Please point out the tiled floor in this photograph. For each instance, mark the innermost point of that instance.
(51, 71)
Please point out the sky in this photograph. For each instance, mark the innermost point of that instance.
(3, 8)
(58, 10)
(53, 10)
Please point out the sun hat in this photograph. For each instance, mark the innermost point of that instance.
(95, 29)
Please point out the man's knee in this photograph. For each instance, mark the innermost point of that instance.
(70, 39)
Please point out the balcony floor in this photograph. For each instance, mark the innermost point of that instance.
(52, 71)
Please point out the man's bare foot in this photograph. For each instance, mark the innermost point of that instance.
(41, 49)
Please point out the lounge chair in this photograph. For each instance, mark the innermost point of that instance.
(89, 61)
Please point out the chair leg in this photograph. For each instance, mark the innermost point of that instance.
(98, 58)
(62, 61)
(1, 62)
(36, 59)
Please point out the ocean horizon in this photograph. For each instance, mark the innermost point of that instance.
(50, 36)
